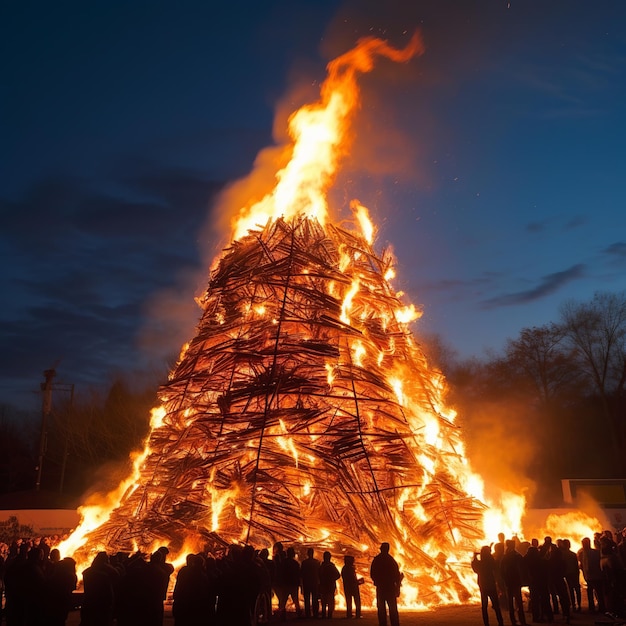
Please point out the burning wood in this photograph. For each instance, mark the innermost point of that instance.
(282, 421)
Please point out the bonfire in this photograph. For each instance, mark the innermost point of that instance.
(303, 410)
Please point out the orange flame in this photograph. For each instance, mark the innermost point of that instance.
(319, 134)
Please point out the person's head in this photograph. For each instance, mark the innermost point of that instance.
(348, 559)
(291, 553)
(102, 558)
(326, 557)
(55, 555)
(567, 544)
(157, 558)
(534, 542)
(485, 552)
(310, 552)
(547, 541)
(384, 547)
(501, 537)
(510, 545)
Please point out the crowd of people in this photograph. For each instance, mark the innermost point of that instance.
(237, 588)
(37, 584)
(244, 586)
(549, 575)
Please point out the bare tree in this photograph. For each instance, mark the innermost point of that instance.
(541, 357)
(596, 330)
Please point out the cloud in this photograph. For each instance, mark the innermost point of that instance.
(549, 284)
(537, 227)
(559, 223)
(616, 251)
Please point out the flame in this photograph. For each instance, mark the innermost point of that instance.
(319, 135)
(573, 525)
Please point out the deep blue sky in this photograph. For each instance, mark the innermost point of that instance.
(494, 164)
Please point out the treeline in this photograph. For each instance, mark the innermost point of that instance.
(87, 444)
(551, 405)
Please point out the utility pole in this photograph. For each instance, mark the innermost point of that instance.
(67, 440)
(46, 409)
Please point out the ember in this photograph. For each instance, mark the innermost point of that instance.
(303, 410)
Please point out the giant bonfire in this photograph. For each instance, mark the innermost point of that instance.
(303, 410)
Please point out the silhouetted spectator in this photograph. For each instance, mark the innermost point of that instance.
(589, 559)
(235, 582)
(278, 584)
(351, 590)
(190, 598)
(511, 568)
(612, 572)
(36, 584)
(289, 576)
(16, 590)
(572, 574)
(98, 597)
(329, 575)
(310, 577)
(485, 568)
(553, 556)
(386, 576)
(141, 593)
(162, 573)
(263, 607)
(498, 553)
(537, 571)
(61, 581)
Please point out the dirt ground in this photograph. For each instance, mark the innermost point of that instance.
(466, 615)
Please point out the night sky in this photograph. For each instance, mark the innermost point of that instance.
(493, 164)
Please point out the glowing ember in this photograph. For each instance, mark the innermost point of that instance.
(303, 410)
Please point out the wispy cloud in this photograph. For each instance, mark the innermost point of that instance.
(547, 285)
(558, 222)
(616, 250)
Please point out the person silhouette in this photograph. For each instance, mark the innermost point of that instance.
(328, 575)
(386, 577)
(485, 569)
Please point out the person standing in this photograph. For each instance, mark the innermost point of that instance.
(485, 569)
(329, 574)
(290, 576)
(386, 577)
(351, 589)
(589, 559)
(310, 577)
(511, 567)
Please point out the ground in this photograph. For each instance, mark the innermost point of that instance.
(467, 615)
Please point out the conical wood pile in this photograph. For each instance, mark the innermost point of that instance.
(283, 420)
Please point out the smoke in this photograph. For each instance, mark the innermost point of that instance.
(499, 445)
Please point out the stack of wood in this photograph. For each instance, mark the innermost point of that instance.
(282, 422)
